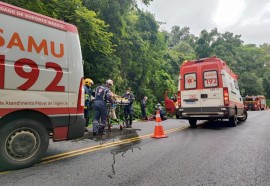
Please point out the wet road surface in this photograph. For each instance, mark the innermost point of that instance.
(211, 154)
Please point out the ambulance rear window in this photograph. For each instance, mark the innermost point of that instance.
(210, 79)
(236, 85)
(190, 81)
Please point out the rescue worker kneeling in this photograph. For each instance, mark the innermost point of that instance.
(102, 95)
(162, 113)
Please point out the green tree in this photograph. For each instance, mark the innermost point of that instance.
(250, 84)
(203, 44)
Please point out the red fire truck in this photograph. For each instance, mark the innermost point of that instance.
(255, 102)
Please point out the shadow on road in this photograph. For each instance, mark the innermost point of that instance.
(214, 125)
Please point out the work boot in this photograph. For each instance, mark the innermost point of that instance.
(101, 129)
(95, 127)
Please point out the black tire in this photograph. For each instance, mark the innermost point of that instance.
(233, 121)
(30, 136)
(177, 116)
(243, 118)
(192, 123)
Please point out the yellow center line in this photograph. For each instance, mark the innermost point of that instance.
(78, 152)
(99, 147)
(4, 172)
(104, 145)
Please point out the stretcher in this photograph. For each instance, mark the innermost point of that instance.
(115, 112)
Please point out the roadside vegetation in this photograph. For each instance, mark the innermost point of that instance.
(121, 42)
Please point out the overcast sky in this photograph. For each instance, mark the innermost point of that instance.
(249, 18)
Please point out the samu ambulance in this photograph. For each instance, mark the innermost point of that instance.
(208, 90)
(41, 85)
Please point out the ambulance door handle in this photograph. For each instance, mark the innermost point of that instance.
(204, 95)
(190, 100)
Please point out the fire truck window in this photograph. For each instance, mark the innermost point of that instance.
(190, 81)
(210, 78)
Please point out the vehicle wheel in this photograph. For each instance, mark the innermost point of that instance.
(177, 116)
(244, 118)
(192, 122)
(22, 143)
(233, 121)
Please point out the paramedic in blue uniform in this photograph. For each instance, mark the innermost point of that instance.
(87, 99)
(102, 95)
(128, 109)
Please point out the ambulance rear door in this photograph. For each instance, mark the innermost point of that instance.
(190, 86)
(212, 91)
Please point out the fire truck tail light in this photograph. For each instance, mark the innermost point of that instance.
(179, 99)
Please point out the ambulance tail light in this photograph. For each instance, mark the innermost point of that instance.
(179, 99)
(80, 106)
(226, 96)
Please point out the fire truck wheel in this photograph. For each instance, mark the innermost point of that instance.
(22, 144)
(244, 118)
(192, 123)
(233, 121)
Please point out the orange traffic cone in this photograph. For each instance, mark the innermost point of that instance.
(158, 132)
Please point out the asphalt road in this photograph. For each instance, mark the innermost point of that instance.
(211, 154)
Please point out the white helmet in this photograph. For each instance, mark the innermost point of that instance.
(109, 82)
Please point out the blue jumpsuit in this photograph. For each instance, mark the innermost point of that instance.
(102, 94)
(128, 109)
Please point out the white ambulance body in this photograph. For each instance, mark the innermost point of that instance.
(41, 75)
(208, 90)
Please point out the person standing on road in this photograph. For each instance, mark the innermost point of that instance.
(128, 109)
(87, 99)
(143, 108)
(102, 95)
